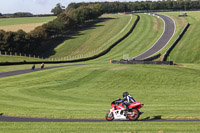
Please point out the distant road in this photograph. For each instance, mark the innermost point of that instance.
(169, 29)
(18, 72)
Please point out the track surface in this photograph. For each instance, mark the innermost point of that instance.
(22, 119)
(18, 72)
(162, 41)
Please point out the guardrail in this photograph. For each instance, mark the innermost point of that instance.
(175, 42)
(142, 62)
(153, 57)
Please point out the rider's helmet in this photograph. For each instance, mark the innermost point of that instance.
(125, 94)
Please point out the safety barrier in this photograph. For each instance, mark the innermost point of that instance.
(153, 57)
(175, 42)
(142, 62)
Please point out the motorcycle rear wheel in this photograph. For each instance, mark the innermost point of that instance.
(109, 116)
(135, 113)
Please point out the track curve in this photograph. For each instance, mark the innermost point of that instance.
(168, 33)
(23, 119)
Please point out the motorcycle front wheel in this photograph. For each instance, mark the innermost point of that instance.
(109, 116)
(133, 115)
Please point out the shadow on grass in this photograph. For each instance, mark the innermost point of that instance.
(159, 117)
(54, 42)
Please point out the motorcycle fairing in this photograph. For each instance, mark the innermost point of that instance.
(118, 114)
(136, 105)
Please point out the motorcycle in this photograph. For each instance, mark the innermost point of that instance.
(119, 112)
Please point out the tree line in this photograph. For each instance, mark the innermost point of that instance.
(17, 14)
(74, 16)
(114, 7)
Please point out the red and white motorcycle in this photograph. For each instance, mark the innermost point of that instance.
(119, 112)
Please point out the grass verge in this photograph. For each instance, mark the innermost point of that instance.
(111, 127)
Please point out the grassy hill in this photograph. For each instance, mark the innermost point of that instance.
(107, 31)
(84, 43)
(96, 37)
(90, 41)
(147, 31)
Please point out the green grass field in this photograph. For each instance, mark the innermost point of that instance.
(27, 24)
(99, 127)
(165, 91)
(24, 20)
(86, 92)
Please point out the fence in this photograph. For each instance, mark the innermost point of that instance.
(50, 59)
(18, 54)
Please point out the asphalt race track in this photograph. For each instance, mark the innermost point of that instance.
(18, 72)
(162, 41)
(23, 119)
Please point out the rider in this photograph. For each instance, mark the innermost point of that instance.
(128, 98)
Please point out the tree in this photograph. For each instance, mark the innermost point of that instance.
(58, 9)
(1, 14)
(20, 41)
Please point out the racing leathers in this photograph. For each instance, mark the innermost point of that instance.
(127, 101)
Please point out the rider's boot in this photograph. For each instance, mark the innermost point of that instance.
(126, 110)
